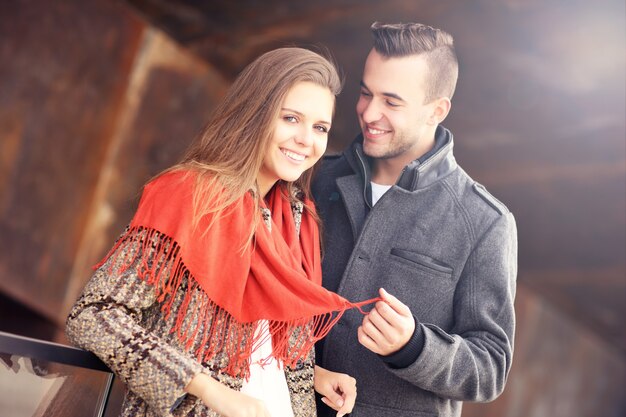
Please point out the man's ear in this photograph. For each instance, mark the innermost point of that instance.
(441, 108)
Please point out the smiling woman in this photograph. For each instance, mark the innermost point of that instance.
(219, 274)
(300, 135)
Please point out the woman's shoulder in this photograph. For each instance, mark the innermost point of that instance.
(173, 178)
(168, 193)
(181, 182)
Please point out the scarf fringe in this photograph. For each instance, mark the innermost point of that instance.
(157, 259)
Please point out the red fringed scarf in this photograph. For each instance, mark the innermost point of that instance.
(276, 278)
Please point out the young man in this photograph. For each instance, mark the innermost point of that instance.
(400, 214)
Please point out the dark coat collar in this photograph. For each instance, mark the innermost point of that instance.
(420, 173)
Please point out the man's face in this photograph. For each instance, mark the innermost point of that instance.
(395, 121)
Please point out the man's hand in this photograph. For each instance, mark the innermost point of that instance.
(338, 390)
(388, 327)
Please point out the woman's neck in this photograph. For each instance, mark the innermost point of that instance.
(264, 188)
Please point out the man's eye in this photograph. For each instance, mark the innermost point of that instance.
(365, 93)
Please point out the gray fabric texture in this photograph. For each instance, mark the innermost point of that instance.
(444, 246)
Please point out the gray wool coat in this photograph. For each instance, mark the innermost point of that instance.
(445, 247)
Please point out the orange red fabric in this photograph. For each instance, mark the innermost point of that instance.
(275, 278)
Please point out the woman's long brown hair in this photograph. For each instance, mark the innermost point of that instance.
(229, 153)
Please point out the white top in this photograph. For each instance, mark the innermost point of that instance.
(378, 191)
(267, 379)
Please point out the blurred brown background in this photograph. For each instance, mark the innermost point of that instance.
(97, 96)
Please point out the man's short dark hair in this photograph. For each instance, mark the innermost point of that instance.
(435, 45)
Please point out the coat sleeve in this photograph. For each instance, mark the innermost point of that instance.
(472, 361)
(109, 319)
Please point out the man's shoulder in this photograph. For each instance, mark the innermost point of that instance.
(332, 157)
(334, 164)
(330, 168)
(479, 208)
(489, 198)
(476, 198)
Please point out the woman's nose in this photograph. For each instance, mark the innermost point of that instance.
(304, 137)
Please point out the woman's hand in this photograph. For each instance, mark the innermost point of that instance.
(224, 400)
(338, 391)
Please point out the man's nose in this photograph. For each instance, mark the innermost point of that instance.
(371, 111)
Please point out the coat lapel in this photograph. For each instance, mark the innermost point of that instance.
(351, 189)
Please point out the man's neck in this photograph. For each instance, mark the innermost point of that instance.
(387, 171)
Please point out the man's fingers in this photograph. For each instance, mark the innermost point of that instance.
(367, 341)
(382, 322)
(394, 303)
(373, 325)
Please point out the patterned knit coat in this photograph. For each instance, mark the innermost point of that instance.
(119, 318)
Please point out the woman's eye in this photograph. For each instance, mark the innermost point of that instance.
(322, 128)
(290, 119)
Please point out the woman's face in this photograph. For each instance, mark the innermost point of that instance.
(300, 134)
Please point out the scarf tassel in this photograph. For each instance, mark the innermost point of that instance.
(157, 259)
